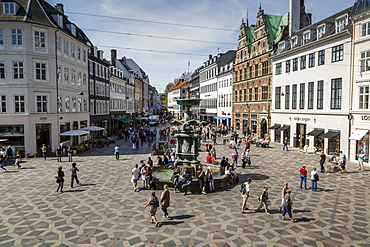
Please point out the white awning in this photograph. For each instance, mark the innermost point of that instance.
(358, 134)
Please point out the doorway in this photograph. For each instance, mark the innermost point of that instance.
(43, 135)
(301, 135)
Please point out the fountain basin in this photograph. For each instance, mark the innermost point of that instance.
(188, 102)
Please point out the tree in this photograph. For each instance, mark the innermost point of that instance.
(168, 86)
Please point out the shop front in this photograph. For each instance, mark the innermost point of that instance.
(333, 146)
(277, 134)
(13, 135)
(361, 137)
(318, 140)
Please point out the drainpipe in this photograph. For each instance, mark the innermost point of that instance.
(351, 76)
(57, 88)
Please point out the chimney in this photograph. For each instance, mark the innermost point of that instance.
(294, 15)
(113, 56)
(60, 7)
(209, 56)
(123, 60)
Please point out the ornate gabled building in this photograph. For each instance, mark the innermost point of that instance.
(253, 71)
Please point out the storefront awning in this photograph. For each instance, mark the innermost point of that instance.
(358, 134)
(276, 126)
(284, 127)
(125, 120)
(330, 134)
(315, 133)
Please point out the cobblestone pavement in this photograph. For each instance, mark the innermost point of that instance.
(104, 210)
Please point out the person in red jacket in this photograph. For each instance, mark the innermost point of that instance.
(303, 177)
(209, 158)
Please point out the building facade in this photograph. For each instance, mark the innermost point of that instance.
(360, 111)
(43, 75)
(311, 80)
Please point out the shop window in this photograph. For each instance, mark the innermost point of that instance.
(363, 145)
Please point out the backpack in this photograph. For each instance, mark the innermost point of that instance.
(243, 189)
(316, 177)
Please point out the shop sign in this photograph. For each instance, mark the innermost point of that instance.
(43, 118)
(303, 119)
(365, 118)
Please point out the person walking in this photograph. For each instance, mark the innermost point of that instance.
(9, 153)
(244, 189)
(283, 192)
(287, 204)
(74, 171)
(285, 144)
(143, 173)
(303, 177)
(263, 199)
(116, 151)
(70, 154)
(165, 201)
(18, 159)
(153, 202)
(235, 156)
(60, 179)
(43, 151)
(342, 160)
(135, 177)
(360, 160)
(2, 160)
(59, 154)
(322, 161)
(314, 178)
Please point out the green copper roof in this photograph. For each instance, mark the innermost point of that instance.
(249, 33)
(275, 26)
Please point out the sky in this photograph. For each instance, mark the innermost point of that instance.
(163, 36)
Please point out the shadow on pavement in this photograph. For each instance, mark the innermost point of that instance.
(182, 217)
(300, 211)
(326, 190)
(171, 222)
(253, 177)
(74, 190)
(304, 219)
(27, 168)
(86, 184)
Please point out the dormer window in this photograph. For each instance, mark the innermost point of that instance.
(320, 31)
(306, 37)
(340, 24)
(72, 28)
(294, 41)
(10, 8)
(281, 46)
(58, 19)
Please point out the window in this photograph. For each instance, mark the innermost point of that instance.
(72, 49)
(2, 103)
(250, 94)
(41, 103)
(40, 41)
(363, 98)
(302, 89)
(320, 94)
(365, 29)
(67, 104)
(84, 55)
(294, 41)
(1, 37)
(79, 78)
(303, 62)
(337, 53)
(310, 95)
(278, 98)
(278, 69)
(85, 105)
(287, 66)
(265, 92)
(58, 44)
(295, 64)
(311, 60)
(365, 61)
(78, 53)
(340, 24)
(294, 96)
(256, 70)
(18, 70)
(41, 71)
(59, 74)
(10, 8)
(79, 104)
(66, 75)
(306, 38)
(336, 93)
(256, 93)
(19, 104)
(16, 36)
(265, 68)
(321, 58)
(65, 42)
(84, 80)
(2, 70)
(320, 31)
(287, 96)
(73, 76)
(74, 104)
(60, 104)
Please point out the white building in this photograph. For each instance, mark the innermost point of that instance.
(177, 91)
(43, 75)
(225, 88)
(360, 112)
(311, 85)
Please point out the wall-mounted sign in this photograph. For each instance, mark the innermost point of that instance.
(303, 119)
(365, 118)
(43, 118)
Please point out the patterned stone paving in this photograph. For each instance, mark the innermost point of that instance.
(104, 210)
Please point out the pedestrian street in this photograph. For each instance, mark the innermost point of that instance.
(105, 211)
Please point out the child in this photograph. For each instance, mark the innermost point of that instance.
(18, 159)
(74, 171)
(263, 199)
